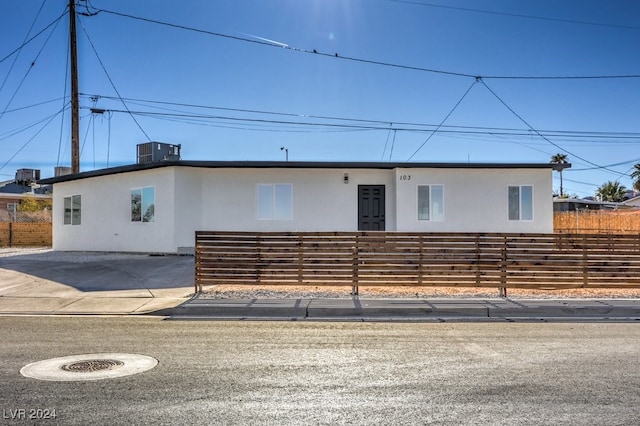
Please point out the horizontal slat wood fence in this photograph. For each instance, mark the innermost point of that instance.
(543, 261)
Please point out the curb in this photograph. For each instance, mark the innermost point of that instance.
(230, 308)
(399, 309)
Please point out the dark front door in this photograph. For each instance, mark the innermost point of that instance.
(370, 207)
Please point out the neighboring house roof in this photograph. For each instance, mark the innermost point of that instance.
(12, 187)
(635, 201)
(296, 165)
(581, 203)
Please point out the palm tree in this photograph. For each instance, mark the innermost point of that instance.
(635, 175)
(559, 159)
(612, 191)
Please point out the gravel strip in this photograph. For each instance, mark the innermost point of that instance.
(317, 292)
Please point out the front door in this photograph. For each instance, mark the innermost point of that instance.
(370, 207)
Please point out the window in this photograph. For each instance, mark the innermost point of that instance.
(431, 202)
(72, 210)
(143, 204)
(12, 208)
(275, 201)
(521, 202)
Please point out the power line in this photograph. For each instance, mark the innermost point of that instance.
(443, 120)
(386, 142)
(55, 21)
(179, 117)
(264, 42)
(390, 124)
(32, 138)
(622, 163)
(11, 133)
(518, 15)
(110, 80)
(183, 27)
(244, 119)
(581, 183)
(32, 105)
(15, 58)
(33, 63)
(255, 127)
(393, 143)
(366, 125)
(204, 119)
(540, 134)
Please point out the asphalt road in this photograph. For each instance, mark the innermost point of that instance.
(329, 373)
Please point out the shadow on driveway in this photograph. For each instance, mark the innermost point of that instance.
(103, 271)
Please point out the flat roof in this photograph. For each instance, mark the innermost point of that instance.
(297, 165)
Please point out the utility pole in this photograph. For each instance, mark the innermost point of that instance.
(75, 118)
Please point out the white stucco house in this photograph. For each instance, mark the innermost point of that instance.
(156, 207)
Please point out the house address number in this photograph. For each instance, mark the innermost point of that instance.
(405, 177)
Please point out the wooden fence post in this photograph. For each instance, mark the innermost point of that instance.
(585, 263)
(421, 260)
(258, 265)
(198, 254)
(503, 270)
(355, 260)
(300, 257)
(478, 260)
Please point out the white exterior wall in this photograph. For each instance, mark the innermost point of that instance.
(218, 199)
(106, 214)
(475, 200)
(321, 199)
(188, 206)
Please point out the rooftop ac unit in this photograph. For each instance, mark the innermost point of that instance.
(157, 151)
(27, 176)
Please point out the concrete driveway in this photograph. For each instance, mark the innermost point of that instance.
(44, 281)
(41, 281)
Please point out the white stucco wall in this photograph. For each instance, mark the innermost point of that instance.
(188, 208)
(198, 198)
(106, 214)
(321, 199)
(475, 200)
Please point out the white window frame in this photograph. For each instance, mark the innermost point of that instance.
(272, 209)
(72, 218)
(142, 189)
(520, 203)
(431, 203)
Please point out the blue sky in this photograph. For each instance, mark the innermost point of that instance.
(382, 99)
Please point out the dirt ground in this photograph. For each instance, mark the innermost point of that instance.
(296, 292)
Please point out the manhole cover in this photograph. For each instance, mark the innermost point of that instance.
(88, 367)
(92, 365)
